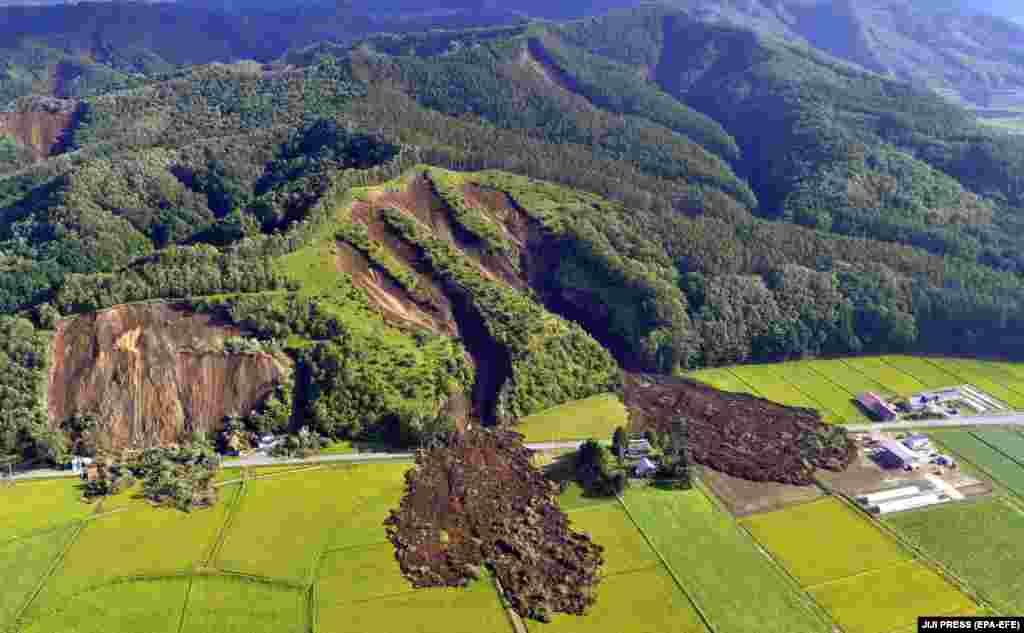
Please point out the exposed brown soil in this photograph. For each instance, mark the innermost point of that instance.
(451, 314)
(399, 308)
(41, 132)
(737, 434)
(743, 497)
(148, 374)
(480, 501)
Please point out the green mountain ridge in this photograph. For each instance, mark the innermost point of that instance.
(528, 208)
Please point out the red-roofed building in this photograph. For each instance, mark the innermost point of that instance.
(877, 405)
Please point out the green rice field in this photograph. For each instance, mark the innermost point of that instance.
(831, 386)
(979, 541)
(994, 463)
(283, 554)
(861, 575)
(594, 417)
(735, 585)
(890, 600)
(824, 540)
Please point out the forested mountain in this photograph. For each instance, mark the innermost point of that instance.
(968, 50)
(640, 190)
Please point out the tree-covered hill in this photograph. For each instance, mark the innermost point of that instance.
(524, 208)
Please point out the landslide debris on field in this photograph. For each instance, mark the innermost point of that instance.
(154, 373)
(739, 434)
(479, 500)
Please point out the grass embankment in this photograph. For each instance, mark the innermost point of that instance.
(831, 386)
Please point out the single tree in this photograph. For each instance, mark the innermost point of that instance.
(619, 443)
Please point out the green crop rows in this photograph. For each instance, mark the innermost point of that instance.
(736, 587)
(979, 541)
(994, 463)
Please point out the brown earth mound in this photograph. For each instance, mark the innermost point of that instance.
(151, 374)
(480, 501)
(739, 434)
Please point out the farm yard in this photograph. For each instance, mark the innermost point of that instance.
(831, 386)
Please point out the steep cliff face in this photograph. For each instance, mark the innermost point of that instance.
(42, 133)
(152, 374)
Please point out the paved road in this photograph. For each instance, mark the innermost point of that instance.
(1014, 419)
(256, 461)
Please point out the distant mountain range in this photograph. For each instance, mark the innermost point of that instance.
(951, 47)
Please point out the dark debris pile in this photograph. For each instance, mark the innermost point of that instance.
(479, 501)
(739, 434)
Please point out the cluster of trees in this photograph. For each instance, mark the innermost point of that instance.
(596, 473)
(178, 476)
(552, 360)
(175, 272)
(24, 371)
(471, 219)
(491, 83)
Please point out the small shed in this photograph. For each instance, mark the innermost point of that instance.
(638, 447)
(917, 442)
(646, 468)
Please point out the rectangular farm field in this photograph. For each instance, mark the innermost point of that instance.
(769, 384)
(1009, 443)
(33, 506)
(137, 541)
(993, 463)
(144, 606)
(722, 570)
(930, 374)
(824, 541)
(978, 541)
(473, 609)
(235, 605)
(646, 601)
(846, 377)
(595, 417)
(625, 549)
(832, 397)
(23, 564)
(722, 379)
(284, 523)
(891, 599)
(894, 380)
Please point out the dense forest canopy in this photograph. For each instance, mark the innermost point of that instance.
(692, 194)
